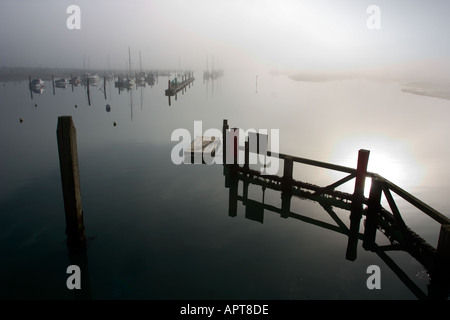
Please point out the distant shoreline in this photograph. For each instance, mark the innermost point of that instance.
(427, 89)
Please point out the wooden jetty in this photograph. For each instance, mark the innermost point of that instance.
(200, 146)
(176, 86)
(388, 222)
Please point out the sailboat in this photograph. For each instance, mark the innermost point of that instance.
(140, 77)
(126, 82)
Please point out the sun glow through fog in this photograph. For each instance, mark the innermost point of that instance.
(394, 160)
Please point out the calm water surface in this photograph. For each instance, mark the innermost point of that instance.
(161, 231)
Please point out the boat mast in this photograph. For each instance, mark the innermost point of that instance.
(129, 62)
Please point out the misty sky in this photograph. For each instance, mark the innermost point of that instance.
(310, 35)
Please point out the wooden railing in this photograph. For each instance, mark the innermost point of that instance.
(437, 260)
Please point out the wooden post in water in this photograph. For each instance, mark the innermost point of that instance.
(29, 86)
(53, 84)
(88, 92)
(104, 85)
(233, 150)
(68, 162)
(247, 156)
(372, 214)
(287, 174)
(285, 204)
(361, 171)
(233, 196)
(356, 207)
(224, 140)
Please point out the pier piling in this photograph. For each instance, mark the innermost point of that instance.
(70, 179)
(374, 206)
(287, 174)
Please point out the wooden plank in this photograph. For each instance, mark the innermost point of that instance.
(395, 211)
(202, 145)
(334, 185)
(313, 162)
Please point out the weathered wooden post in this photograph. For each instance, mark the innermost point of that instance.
(53, 84)
(224, 140)
(104, 86)
(88, 92)
(68, 162)
(361, 171)
(287, 174)
(357, 201)
(233, 196)
(374, 206)
(225, 127)
(247, 156)
(285, 204)
(29, 86)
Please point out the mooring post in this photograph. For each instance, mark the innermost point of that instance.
(68, 162)
(245, 188)
(247, 156)
(374, 206)
(29, 86)
(287, 174)
(224, 140)
(285, 204)
(53, 84)
(88, 92)
(104, 86)
(361, 171)
(233, 196)
(234, 133)
(356, 207)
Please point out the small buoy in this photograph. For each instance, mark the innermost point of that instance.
(76, 106)
(20, 120)
(108, 108)
(115, 124)
(35, 104)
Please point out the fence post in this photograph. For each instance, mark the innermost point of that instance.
(233, 150)
(287, 174)
(247, 156)
(361, 171)
(233, 197)
(224, 140)
(68, 161)
(373, 209)
(356, 207)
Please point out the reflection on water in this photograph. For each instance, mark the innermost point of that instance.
(164, 231)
